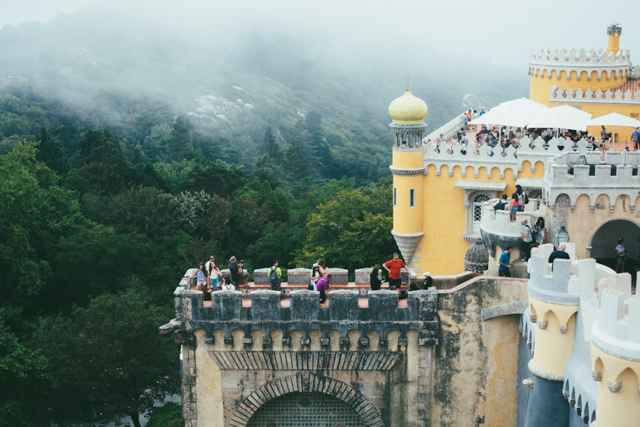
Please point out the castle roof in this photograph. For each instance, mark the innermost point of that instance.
(408, 110)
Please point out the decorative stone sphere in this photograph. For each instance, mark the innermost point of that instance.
(476, 259)
(408, 110)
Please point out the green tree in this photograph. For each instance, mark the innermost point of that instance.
(24, 376)
(110, 357)
(35, 214)
(217, 177)
(270, 146)
(296, 167)
(167, 415)
(97, 260)
(318, 146)
(101, 164)
(50, 153)
(352, 231)
(142, 210)
(267, 170)
(181, 144)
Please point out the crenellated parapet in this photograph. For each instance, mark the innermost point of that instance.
(615, 361)
(609, 96)
(545, 61)
(509, 158)
(554, 297)
(237, 318)
(584, 173)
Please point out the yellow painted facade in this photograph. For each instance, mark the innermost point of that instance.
(575, 77)
(555, 332)
(620, 408)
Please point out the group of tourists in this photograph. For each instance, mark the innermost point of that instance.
(209, 278)
(515, 204)
(532, 236)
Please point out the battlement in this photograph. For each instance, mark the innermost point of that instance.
(616, 330)
(568, 279)
(263, 311)
(499, 222)
(609, 96)
(592, 60)
(616, 176)
(502, 159)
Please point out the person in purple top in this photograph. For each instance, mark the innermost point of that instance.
(323, 286)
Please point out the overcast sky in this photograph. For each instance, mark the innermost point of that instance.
(502, 31)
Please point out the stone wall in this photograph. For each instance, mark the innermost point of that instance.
(475, 364)
(239, 354)
(388, 361)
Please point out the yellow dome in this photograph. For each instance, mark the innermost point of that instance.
(408, 110)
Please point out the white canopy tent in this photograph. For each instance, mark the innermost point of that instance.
(563, 117)
(511, 113)
(614, 119)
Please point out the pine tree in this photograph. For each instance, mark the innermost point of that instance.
(50, 153)
(270, 146)
(181, 144)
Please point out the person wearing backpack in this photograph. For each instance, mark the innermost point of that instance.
(501, 205)
(274, 276)
(635, 137)
(527, 238)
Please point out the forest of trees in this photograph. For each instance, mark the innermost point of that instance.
(96, 233)
(112, 184)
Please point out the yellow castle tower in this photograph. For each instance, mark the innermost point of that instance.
(615, 352)
(599, 82)
(407, 113)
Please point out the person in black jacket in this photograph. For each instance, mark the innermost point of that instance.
(502, 204)
(374, 281)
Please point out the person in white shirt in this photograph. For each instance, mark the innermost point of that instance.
(621, 256)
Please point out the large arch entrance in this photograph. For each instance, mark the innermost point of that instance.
(306, 409)
(604, 239)
(312, 400)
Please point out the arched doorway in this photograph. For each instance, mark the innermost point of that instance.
(604, 238)
(313, 388)
(306, 409)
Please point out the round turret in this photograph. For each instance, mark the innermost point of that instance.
(408, 110)
(476, 259)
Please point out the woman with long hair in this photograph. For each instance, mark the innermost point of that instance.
(202, 277)
(540, 229)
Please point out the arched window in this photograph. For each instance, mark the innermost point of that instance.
(478, 200)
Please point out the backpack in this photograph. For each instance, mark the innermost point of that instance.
(274, 279)
(531, 233)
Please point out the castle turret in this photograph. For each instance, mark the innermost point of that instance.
(554, 298)
(615, 351)
(407, 114)
(578, 70)
(614, 31)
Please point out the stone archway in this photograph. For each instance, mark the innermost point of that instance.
(603, 240)
(307, 383)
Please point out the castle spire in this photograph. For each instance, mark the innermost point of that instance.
(614, 31)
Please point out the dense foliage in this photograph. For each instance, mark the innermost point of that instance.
(126, 159)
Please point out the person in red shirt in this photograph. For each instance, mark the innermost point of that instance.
(393, 267)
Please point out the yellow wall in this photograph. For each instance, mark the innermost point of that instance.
(614, 44)
(442, 248)
(407, 159)
(621, 409)
(540, 87)
(407, 220)
(553, 348)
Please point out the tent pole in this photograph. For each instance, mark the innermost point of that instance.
(614, 137)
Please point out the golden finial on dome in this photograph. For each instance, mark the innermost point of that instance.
(408, 110)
